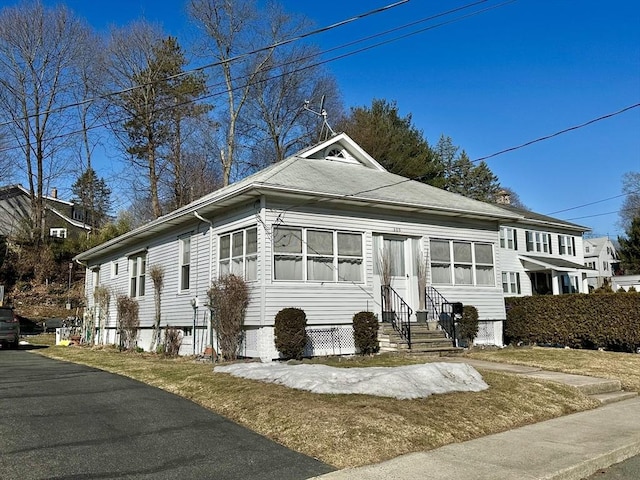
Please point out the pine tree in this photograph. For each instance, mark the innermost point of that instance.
(630, 249)
(393, 141)
(93, 194)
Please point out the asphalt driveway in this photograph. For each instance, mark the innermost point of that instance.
(64, 421)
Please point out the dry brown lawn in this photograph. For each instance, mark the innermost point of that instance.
(622, 366)
(345, 430)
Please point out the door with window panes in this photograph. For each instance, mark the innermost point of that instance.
(394, 254)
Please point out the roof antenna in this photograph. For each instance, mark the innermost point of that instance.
(325, 131)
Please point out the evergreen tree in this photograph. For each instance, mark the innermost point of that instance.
(630, 249)
(393, 141)
(163, 98)
(93, 195)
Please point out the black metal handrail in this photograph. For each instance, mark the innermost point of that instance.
(441, 311)
(396, 311)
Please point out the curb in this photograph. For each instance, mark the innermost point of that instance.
(588, 467)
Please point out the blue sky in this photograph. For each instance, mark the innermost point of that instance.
(492, 81)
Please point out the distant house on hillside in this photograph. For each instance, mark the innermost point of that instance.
(601, 257)
(63, 219)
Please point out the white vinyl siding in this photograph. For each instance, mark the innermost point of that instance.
(473, 263)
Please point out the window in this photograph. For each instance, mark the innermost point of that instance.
(239, 254)
(567, 245)
(472, 263)
(538, 242)
(605, 266)
(114, 269)
(185, 262)
(586, 249)
(317, 255)
(508, 238)
(511, 282)
(137, 274)
(58, 232)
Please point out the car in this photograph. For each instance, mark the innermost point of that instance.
(9, 327)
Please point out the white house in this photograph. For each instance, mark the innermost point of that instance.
(541, 255)
(309, 232)
(601, 257)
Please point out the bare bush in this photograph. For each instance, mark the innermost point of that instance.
(156, 272)
(228, 298)
(172, 341)
(102, 299)
(128, 322)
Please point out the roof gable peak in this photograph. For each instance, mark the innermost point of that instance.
(341, 148)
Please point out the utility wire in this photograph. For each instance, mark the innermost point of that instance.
(547, 137)
(218, 63)
(306, 67)
(593, 203)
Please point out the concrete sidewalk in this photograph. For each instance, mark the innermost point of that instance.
(568, 448)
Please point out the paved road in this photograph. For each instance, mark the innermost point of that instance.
(64, 421)
(627, 470)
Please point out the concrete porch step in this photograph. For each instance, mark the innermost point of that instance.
(612, 397)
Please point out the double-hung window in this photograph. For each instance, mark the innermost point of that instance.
(185, 262)
(508, 238)
(567, 245)
(538, 242)
(315, 255)
(137, 274)
(511, 282)
(461, 263)
(239, 254)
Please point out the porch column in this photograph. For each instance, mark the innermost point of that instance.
(555, 283)
(585, 284)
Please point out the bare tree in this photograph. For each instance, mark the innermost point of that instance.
(232, 27)
(630, 207)
(39, 50)
(156, 272)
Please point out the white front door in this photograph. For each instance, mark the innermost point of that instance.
(397, 253)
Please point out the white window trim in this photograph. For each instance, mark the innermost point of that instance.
(509, 279)
(539, 241)
(181, 244)
(474, 264)
(243, 257)
(140, 259)
(305, 255)
(508, 238)
(58, 232)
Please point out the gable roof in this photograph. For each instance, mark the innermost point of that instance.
(315, 176)
(544, 220)
(598, 245)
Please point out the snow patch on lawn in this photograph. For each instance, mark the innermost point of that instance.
(406, 382)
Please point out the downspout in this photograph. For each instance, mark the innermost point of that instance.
(202, 219)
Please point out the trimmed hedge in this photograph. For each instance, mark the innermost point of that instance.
(290, 332)
(610, 321)
(365, 332)
(469, 324)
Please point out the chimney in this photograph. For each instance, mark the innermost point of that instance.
(54, 192)
(503, 198)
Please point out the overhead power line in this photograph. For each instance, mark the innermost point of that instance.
(593, 203)
(306, 67)
(547, 137)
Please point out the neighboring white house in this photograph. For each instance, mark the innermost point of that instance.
(308, 232)
(541, 255)
(625, 282)
(601, 257)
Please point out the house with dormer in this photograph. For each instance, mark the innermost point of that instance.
(311, 232)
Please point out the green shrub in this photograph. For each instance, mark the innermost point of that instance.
(365, 332)
(468, 327)
(290, 332)
(606, 320)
